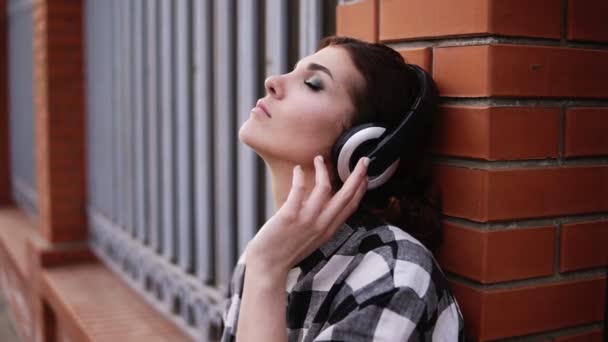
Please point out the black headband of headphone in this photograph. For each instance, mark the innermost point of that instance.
(393, 142)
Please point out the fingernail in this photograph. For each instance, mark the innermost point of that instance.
(366, 161)
(320, 158)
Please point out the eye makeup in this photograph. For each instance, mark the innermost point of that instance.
(314, 83)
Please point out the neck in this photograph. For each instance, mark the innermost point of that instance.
(281, 175)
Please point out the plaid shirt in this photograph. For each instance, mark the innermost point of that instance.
(371, 282)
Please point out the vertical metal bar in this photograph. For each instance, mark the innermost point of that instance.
(247, 90)
(203, 152)
(167, 129)
(21, 105)
(30, 160)
(138, 65)
(92, 39)
(117, 111)
(96, 89)
(276, 55)
(304, 24)
(310, 26)
(184, 136)
(127, 116)
(224, 144)
(152, 127)
(105, 107)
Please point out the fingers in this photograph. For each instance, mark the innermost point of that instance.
(348, 197)
(296, 194)
(320, 193)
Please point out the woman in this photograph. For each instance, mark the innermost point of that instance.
(337, 262)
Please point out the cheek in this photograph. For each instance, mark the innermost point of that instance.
(317, 127)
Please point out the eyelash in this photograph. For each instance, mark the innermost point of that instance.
(311, 84)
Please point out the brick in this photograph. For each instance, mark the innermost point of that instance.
(497, 255)
(587, 336)
(501, 313)
(419, 56)
(414, 19)
(587, 20)
(498, 133)
(503, 194)
(585, 132)
(60, 93)
(359, 20)
(583, 245)
(520, 70)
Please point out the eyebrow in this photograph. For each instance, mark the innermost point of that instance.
(315, 66)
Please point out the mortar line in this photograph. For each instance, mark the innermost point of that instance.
(521, 223)
(488, 39)
(522, 102)
(586, 274)
(490, 165)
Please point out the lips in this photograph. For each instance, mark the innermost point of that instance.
(260, 105)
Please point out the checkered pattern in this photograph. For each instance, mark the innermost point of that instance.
(371, 282)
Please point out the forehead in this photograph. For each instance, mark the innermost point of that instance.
(339, 62)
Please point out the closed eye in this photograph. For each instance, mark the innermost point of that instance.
(314, 83)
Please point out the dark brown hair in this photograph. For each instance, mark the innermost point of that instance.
(409, 200)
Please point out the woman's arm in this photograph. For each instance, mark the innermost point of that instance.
(298, 228)
(262, 315)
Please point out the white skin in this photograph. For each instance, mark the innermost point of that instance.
(293, 129)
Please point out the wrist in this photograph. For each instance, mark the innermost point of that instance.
(264, 274)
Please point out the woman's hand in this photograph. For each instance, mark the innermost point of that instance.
(302, 225)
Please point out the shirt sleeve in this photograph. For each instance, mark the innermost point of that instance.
(392, 316)
(232, 305)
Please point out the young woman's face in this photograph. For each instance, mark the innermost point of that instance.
(304, 111)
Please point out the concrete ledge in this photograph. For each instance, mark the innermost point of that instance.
(92, 304)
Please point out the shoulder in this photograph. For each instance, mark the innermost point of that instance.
(390, 258)
(393, 264)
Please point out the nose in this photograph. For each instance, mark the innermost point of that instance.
(273, 86)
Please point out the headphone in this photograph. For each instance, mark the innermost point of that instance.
(380, 145)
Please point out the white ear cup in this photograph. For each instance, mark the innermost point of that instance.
(349, 148)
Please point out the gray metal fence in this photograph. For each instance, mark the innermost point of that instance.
(174, 198)
(21, 104)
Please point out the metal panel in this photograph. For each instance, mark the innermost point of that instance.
(166, 107)
(224, 141)
(153, 127)
(203, 140)
(248, 90)
(183, 95)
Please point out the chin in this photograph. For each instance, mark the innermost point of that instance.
(252, 137)
(246, 136)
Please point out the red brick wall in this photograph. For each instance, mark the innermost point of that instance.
(60, 119)
(522, 153)
(4, 139)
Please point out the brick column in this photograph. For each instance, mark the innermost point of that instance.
(60, 121)
(5, 187)
(522, 154)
